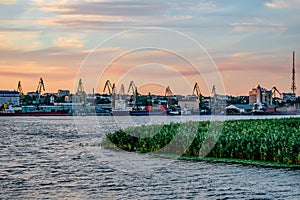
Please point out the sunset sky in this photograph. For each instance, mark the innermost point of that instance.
(232, 44)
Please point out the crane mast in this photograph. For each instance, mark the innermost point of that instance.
(80, 91)
(213, 92)
(122, 90)
(111, 91)
(110, 87)
(40, 88)
(19, 88)
(133, 88)
(198, 92)
(169, 93)
(274, 90)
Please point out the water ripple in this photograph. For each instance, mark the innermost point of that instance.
(41, 158)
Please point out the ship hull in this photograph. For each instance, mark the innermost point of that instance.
(36, 113)
(147, 113)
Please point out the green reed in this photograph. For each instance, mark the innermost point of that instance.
(274, 140)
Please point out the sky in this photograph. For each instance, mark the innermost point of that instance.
(232, 44)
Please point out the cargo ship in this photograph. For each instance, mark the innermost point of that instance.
(33, 111)
(162, 111)
(147, 113)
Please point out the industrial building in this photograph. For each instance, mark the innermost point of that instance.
(9, 97)
(288, 97)
(260, 95)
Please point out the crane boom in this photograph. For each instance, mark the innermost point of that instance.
(168, 92)
(274, 90)
(19, 89)
(80, 91)
(213, 92)
(40, 87)
(132, 87)
(110, 87)
(122, 90)
(198, 92)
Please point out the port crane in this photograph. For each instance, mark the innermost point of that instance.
(169, 93)
(19, 88)
(80, 91)
(122, 90)
(111, 91)
(213, 92)
(110, 87)
(39, 89)
(173, 107)
(274, 90)
(133, 88)
(198, 92)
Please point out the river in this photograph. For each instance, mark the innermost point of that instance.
(59, 158)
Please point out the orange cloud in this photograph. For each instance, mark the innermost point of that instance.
(68, 42)
(8, 2)
(19, 40)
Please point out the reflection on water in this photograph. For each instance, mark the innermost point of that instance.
(41, 157)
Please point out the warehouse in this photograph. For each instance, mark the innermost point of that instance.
(9, 97)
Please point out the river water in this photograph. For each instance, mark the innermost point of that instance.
(59, 158)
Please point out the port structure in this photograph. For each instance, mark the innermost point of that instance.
(21, 93)
(169, 94)
(198, 92)
(111, 91)
(133, 88)
(39, 89)
(110, 87)
(213, 92)
(20, 89)
(122, 90)
(274, 90)
(81, 92)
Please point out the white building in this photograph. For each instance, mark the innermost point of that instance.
(9, 97)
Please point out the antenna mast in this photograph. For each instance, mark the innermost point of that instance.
(293, 88)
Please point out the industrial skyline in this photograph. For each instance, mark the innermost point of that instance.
(242, 44)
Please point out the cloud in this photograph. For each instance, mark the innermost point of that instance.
(10, 29)
(261, 62)
(8, 1)
(245, 26)
(68, 42)
(45, 58)
(95, 15)
(240, 54)
(19, 40)
(109, 8)
(186, 5)
(277, 4)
